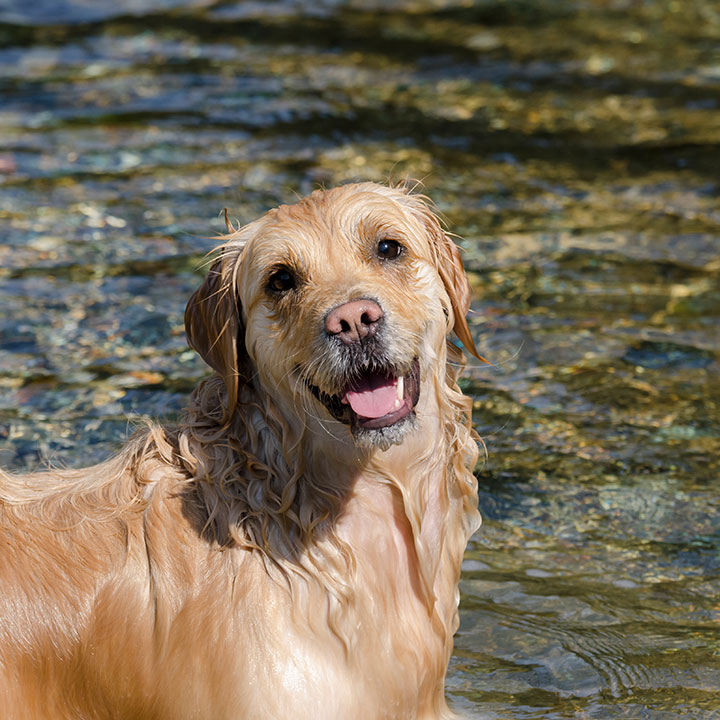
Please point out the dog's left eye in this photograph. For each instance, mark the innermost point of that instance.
(389, 249)
(281, 281)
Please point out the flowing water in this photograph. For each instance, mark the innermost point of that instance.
(573, 144)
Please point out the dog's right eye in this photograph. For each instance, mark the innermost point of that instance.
(281, 281)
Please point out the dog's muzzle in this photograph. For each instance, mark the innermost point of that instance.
(374, 392)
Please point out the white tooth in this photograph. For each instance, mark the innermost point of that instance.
(400, 388)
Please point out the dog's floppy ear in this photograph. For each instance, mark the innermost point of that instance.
(213, 325)
(450, 268)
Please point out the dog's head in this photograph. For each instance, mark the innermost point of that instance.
(337, 307)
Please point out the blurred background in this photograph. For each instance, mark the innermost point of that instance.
(575, 147)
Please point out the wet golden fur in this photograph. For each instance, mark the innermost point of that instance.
(254, 561)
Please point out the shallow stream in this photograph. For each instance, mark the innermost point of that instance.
(574, 145)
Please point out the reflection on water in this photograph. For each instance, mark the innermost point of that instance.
(574, 145)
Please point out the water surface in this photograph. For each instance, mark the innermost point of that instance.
(574, 147)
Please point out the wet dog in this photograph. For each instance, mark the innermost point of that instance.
(292, 547)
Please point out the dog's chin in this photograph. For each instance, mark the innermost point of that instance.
(378, 405)
(383, 438)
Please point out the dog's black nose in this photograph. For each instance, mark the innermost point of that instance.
(354, 321)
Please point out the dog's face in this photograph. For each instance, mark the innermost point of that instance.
(338, 307)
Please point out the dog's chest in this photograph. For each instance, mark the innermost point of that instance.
(367, 640)
(375, 651)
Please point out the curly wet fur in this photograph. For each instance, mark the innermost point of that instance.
(253, 561)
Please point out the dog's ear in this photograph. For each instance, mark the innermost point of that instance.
(452, 272)
(213, 325)
(450, 268)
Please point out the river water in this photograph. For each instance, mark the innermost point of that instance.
(574, 145)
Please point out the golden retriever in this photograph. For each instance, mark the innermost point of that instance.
(292, 547)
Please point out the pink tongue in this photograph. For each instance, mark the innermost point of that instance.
(373, 396)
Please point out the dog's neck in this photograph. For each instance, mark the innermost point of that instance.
(269, 476)
(312, 504)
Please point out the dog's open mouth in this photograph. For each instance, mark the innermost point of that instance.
(375, 399)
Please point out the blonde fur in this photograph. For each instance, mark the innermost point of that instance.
(255, 561)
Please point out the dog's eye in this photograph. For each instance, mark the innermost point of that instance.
(281, 281)
(389, 249)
